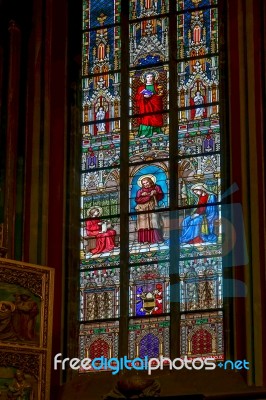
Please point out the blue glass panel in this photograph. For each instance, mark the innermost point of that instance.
(149, 346)
(101, 51)
(190, 4)
(97, 13)
(197, 33)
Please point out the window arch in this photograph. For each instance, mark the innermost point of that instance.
(151, 244)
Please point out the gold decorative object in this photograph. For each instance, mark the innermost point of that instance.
(101, 19)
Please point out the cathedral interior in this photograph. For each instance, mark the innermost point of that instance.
(87, 107)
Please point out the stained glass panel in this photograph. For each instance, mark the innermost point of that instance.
(190, 4)
(198, 85)
(202, 335)
(149, 337)
(97, 13)
(98, 339)
(99, 294)
(148, 8)
(199, 135)
(148, 142)
(149, 131)
(149, 289)
(148, 42)
(100, 151)
(200, 231)
(201, 284)
(149, 187)
(100, 240)
(93, 182)
(197, 33)
(101, 102)
(148, 93)
(149, 237)
(199, 180)
(101, 50)
(106, 203)
(201, 74)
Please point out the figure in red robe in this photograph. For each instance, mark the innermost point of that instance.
(158, 309)
(149, 100)
(149, 226)
(101, 231)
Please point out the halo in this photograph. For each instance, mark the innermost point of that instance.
(199, 186)
(153, 72)
(97, 208)
(152, 177)
(12, 305)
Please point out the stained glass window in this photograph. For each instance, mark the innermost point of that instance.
(151, 180)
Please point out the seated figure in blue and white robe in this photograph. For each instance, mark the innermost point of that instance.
(199, 226)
